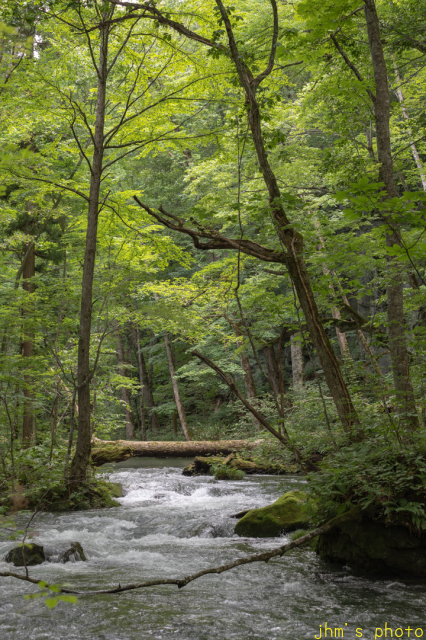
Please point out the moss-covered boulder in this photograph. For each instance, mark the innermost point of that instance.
(288, 513)
(26, 555)
(202, 466)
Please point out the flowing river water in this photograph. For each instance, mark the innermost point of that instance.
(169, 525)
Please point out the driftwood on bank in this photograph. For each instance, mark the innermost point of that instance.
(118, 450)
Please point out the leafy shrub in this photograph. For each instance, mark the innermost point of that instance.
(390, 482)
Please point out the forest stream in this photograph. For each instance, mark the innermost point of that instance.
(169, 525)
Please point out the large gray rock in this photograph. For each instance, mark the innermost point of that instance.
(27, 555)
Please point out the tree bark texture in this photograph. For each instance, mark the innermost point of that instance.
(179, 405)
(81, 458)
(28, 423)
(137, 344)
(273, 372)
(125, 394)
(395, 309)
(117, 450)
(296, 362)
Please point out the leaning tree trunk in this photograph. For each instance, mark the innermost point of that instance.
(82, 454)
(179, 405)
(125, 395)
(395, 303)
(288, 235)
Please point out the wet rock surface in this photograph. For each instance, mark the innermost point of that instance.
(32, 554)
(288, 513)
(375, 547)
(202, 466)
(26, 555)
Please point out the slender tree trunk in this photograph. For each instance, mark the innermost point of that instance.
(137, 344)
(174, 423)
(28, 425)
(179, 405)
(395, 309)
(125, 395)
(148, 395)
(272, 367)
(296, 362)
(81, 458)
(155, 423)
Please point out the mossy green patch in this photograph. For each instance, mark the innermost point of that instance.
(290, 512)
(110, 453)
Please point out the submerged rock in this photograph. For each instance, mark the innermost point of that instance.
(376, 547)
(74, 554)
(288, 513)
(27, 555)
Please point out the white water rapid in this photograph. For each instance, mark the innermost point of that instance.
(169, 525)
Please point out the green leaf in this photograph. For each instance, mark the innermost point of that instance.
(51, 602)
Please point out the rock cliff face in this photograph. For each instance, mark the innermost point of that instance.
(376, 548)
(288, 513)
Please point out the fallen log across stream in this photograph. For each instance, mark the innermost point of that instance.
(118, 450)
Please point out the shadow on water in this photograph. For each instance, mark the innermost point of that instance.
(169, 525)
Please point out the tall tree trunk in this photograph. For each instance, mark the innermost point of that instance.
(395, 303)
(179, 405)
(28, 425)
(155, 423)
(296, 362)
(147, 390)
(125, 395)
(174, 423)
(81, 458)
(291, 239)
(272, 367)
(137, 344)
